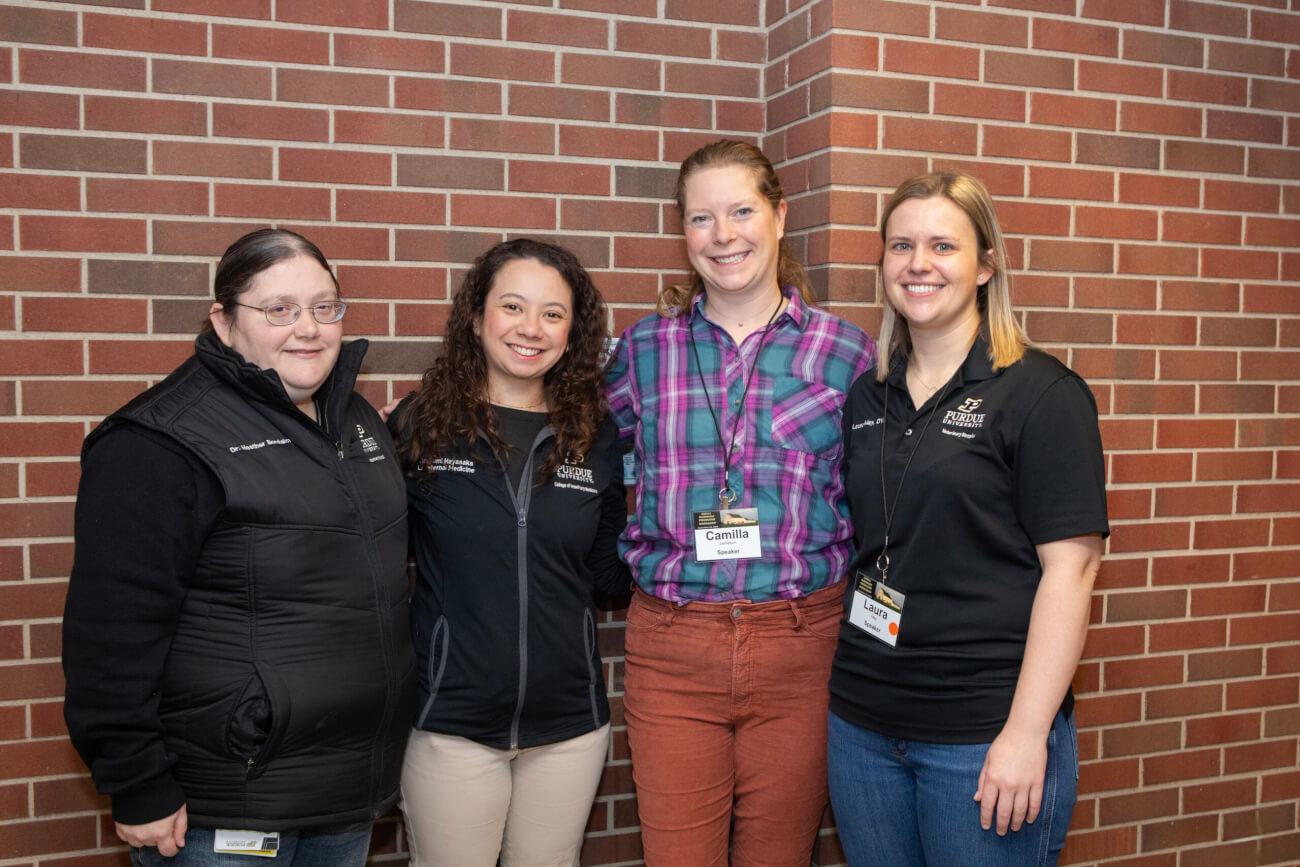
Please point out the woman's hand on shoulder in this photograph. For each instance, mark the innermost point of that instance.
(387, 409)
(1010, 788)
(168, 834)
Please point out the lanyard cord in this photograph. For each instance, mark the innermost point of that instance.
(726, 496)
(882, 561)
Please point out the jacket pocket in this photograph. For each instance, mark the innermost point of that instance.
(257, 719)
(438, 643)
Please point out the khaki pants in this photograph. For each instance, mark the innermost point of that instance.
(465, 803)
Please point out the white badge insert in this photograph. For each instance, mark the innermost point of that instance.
(727, 534)
(877, 609)
(263, 844)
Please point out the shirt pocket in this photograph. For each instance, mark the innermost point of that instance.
(806, 417)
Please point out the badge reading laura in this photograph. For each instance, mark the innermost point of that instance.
(877, 609)
(262, 844)
(727, 534)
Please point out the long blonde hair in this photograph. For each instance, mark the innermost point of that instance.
(677, 299)
(1006, 338)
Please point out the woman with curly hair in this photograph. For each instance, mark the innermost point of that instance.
(516, 498)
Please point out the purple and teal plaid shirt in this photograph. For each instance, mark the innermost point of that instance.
(787, 454)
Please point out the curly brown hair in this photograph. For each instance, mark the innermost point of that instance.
(452, 402)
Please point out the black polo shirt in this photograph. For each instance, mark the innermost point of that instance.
(1011, 459)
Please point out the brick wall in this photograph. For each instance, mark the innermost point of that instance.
(1143, 153)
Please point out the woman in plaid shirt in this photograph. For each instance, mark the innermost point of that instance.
(732, 394)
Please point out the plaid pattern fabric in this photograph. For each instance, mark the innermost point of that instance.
(787, 453)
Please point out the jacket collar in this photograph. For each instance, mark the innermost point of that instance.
(254, 383)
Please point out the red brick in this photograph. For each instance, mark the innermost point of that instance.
(1125, 78)
(567, 178)
(1162, 259)
(135, 195)
(82, 70)
(1236, 398)
(592, 141)
(1180, 295)
(1181, 701)
(1195, 569)
(389, 128)
(1057, 183)
(742, 14)
(1212, 466)
(231, 8)
(984, 28)
(1273, 163)
(1028, 70)
(521, 213)
(390, 206)
(1230, 534)
(1190, 156)
(880, 16)
(216, 160)
(1244, 126)
(548, 28)
(905, 133)
(362, 13)
(147, 34)
(418, 170)
(240, 42)
(1184, 832)
(608, 71)
(331, 88)
(335, 166)
(40, 192)
(445, 19)
(1137, 673)
(75, 795)
(271, 201)
(83, 234)
(33, 108)
(278, 122)
(39, 26)
(84, 314)
(230, 80)
(1253, 58)
(1280, 96)
(1122, 573)
(1041, 144)
(1182, 765)
(388, 282)
(84, 153)
(1072, 37)
(918, 58)
(1139, 740)
(1075, 111)
(1187, 635)
(1145, 189)
(1135, 807)
(1269, 692)
(28, 838)
(136, 356)
(1257, 822)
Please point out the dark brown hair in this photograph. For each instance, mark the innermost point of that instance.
(675, 300)
(452, 402)
(253, 254)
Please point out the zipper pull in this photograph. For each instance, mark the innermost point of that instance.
(339, 446)
(523, 518)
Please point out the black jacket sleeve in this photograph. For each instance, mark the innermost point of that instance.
(612, 577)
(145, 505)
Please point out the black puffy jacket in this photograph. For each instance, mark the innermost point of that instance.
(286, 692)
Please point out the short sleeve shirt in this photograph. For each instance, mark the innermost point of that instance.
(787, 454)
(997, 463)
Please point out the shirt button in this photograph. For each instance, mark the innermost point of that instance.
(908, 432)
(735, 614)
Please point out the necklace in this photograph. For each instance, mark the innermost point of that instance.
(930, 389)
(526, 406)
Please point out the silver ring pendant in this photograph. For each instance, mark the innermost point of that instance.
(726, 496)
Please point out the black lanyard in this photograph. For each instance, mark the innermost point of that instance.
(726, 496)
(882, 561)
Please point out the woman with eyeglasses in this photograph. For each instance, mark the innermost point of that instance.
(236, 639)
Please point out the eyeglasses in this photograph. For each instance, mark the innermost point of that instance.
(287, 313)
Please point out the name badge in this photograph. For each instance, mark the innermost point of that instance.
(877, 609)
(263, 844)
(727, 534)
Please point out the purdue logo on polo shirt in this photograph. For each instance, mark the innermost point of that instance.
(963, 421)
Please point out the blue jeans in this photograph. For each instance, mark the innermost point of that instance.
(337, 846)
(911, 804)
